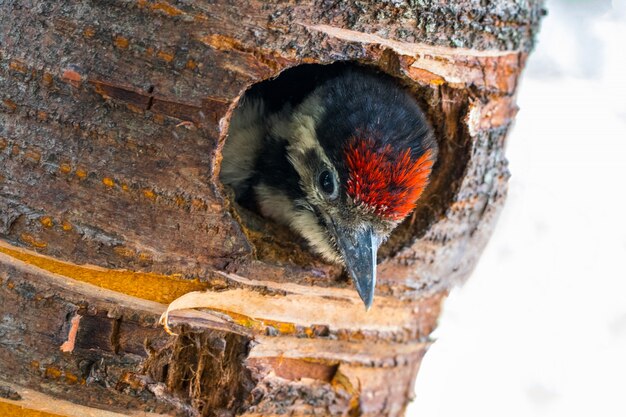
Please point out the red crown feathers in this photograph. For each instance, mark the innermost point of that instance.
(387, 183)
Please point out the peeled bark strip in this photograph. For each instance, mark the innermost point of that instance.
(112, 118)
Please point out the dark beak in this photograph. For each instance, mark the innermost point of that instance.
(359, 248)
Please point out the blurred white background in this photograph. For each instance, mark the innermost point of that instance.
(540, 327)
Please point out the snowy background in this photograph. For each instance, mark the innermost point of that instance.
(540, 327)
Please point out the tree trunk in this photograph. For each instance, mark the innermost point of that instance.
(112, 118)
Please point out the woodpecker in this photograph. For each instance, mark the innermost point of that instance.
(342, 167)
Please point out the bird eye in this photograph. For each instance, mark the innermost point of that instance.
(327, 183)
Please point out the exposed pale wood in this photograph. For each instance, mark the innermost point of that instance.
(112, 117)
(34, 404)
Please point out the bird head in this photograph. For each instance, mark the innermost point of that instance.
(364, 153)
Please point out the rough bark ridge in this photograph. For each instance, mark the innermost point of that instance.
(112, 117)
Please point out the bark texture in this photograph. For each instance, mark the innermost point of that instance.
(112, 118)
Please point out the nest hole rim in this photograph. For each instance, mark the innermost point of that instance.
(430, 207)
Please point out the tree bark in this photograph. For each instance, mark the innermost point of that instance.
(112, 118)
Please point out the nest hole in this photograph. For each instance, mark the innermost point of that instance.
(278, 244)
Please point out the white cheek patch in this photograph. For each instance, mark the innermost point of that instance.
(305, 223)
(276, 205)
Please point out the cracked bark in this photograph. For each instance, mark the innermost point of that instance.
(112, 118)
